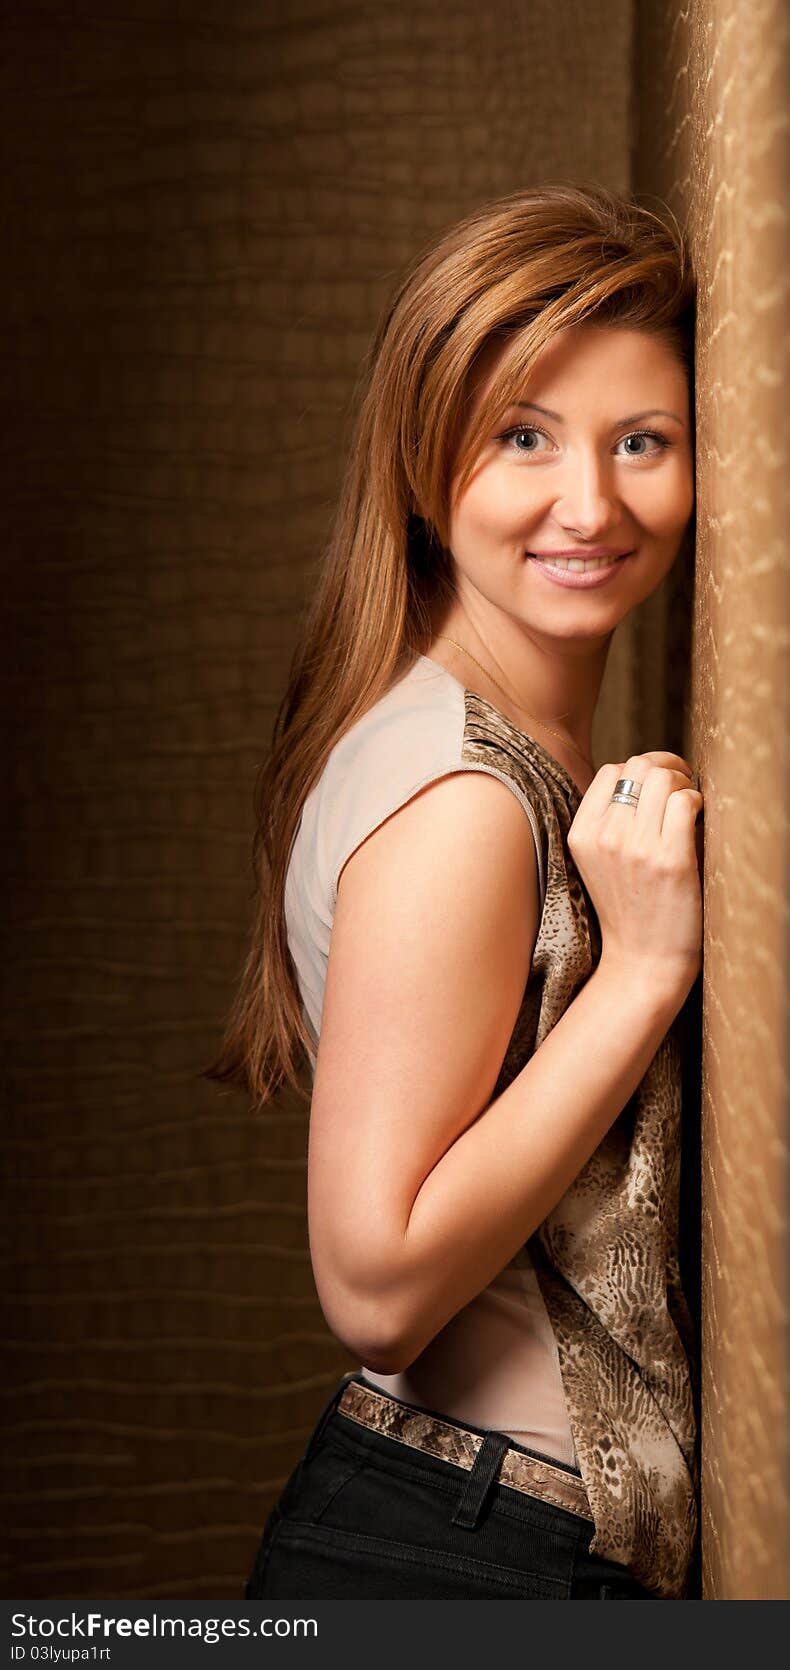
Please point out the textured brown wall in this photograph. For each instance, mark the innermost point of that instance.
(208, 206)
(713, 139)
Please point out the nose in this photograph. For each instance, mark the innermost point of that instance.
(586, 507)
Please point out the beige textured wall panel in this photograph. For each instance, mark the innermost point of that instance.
(209, 207)
(714, 139)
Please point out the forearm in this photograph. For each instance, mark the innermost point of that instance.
(507, 1170)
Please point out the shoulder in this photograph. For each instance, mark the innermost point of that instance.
(413, 736)
(415, 728)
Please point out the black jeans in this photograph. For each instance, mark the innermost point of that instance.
(364, 1517)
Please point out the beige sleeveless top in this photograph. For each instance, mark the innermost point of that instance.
(582, 1347)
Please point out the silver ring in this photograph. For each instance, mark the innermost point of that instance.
(626, 792)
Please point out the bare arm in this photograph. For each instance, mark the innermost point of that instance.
(420, 1189)
(502, 1177)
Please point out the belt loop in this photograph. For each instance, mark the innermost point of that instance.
(328, 1409)
(476, 1487)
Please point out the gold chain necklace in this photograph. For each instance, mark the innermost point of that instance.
(567, 741)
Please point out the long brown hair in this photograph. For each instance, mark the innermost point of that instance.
(519, 269)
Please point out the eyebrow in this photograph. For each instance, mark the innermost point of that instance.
(655, 411)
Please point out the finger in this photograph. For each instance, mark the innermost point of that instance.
(598, 798)
(681, 812)
(660, 785)
(674, 762)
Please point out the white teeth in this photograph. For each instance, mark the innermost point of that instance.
(580, 565)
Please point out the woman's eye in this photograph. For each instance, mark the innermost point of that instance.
(645, 435)
(512, 434)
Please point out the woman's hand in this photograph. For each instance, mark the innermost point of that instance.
(640, 866)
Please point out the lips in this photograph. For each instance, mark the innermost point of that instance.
(581, 556)
(589, 576)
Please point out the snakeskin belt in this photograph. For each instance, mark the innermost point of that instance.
(422, 1431)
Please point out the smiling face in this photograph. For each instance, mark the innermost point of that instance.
(581, 477)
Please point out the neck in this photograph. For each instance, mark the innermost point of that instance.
(557, 684)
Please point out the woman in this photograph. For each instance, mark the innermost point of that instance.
(490, 937)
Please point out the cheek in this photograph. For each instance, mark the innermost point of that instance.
(489, 511)
(664, 505)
